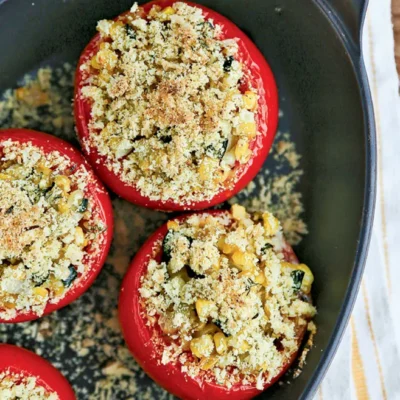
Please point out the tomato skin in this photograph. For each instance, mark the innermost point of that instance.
(138, 335)
(102, 201)
(267, 120)
(21, 361)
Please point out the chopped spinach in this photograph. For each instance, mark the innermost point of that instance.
(39, 279)
(47, 190)
(72, 276)
(228, 63)
(249, 284)
(166, 139)
(83, 206)
(130, 32)
(43, 110)
(217, 152)
(297, 276)
(266, 247)
(193, 274)
(219, 324)
(166, 246)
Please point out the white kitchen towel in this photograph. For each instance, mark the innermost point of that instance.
(367, 363)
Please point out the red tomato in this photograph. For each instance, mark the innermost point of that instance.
(261, 77)
(102, 206)
(21, 361)
(138, 335)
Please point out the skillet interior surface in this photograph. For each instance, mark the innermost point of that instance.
(322, 107)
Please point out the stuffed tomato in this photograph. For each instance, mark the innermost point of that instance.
(26, 376)
(215, 304)
(55, 228)
(175, 106)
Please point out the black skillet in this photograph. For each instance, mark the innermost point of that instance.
(313, 47)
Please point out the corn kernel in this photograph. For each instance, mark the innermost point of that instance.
(226, 248)
(222, 175)
(41, 168)
(204, 308)
(271, 224)
(63, 207)
(63, 183)
(5, 177)
(248, 128)
(202, 346)
(40, 292)
(173, 225)
(238, 212)
(208, 329)
(244, 346)
(260, 278)
(250, 273)
(216, 266)
(242, 151)
(221, 344)
(79, 236)
(207, 168)
(239, 344)
(168, 11)
(243, 260)
(115, 28)
(166, 324)
(208, 363)
(199, 327)
(104, 76)
(94, 63)
(8, 305)
(250, 100)
(106, 58)
(16, 171)
(59, 290)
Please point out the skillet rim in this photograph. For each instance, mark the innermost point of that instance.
(355, 56)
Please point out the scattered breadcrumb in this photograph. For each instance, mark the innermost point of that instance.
(42, 101)
(80, 340)
(19, 387)
(171, 107)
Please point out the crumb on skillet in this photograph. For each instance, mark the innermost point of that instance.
(167, 107)
(42, 103)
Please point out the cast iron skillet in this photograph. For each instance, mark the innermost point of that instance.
(313, 47)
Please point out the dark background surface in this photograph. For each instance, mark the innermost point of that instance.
(323, 109)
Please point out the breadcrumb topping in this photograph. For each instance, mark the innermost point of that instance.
(47, 223)
(19, 387)
(227, 295)
(170, 109)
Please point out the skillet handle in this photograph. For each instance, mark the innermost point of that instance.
(351, 14)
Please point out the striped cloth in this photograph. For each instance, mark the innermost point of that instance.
(367, 363)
